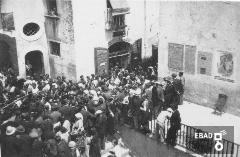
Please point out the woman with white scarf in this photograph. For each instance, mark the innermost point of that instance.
(78, 125)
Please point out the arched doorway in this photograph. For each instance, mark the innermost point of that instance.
(119, 54)
(34, 63)
(8, 53)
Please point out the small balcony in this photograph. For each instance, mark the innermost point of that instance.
(52, 14)
(116, 27)
(120, 33)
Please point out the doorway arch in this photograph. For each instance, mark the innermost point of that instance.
(119, 54)
(34, 63)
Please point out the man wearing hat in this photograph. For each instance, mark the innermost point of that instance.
(169, 92)
(74, 151)
(175, 122)
(178, 86)
(10, 144)
(100, 124)
(135, 104)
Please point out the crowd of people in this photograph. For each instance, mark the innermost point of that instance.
(45, 117)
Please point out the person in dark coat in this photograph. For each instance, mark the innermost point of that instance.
(62, 148)
(95, 149)
(101, 120)
(10, 144)
(37, 148)
(169, 93)
(135, 104)
(175, 122)
(157, 98)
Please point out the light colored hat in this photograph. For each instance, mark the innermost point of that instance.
(92, 92)
(137, 92)
(81, 85)
(10, 130)
(72, 144)
(34, 133)
(55, 85)
(86, 92)
(170, 110)
(95, 98)
(79, 116)
(98, 112)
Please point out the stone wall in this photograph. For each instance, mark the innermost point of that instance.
(65, 63)
(213, 27)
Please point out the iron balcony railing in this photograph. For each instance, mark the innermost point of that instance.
(206, 147)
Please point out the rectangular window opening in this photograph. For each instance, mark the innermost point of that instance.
(204, 58)
(52, 7)
(202, 70)
(54, 48)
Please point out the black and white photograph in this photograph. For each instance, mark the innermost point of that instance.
(119, 78)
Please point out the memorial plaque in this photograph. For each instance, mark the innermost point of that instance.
(204, 63)
(225, 67)
(101, 60)
(175, 56)
(190, 52)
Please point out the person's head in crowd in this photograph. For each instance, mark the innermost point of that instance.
(20, 129)
(174, 75)
(167, 80)
(95, 100)
(58, 137)
(72, 145)
(170, 110)
(180, 74)
(10, 130)
(98, 112)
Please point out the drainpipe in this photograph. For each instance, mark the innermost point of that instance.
(145, 31)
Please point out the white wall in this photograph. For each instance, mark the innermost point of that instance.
(211, 27)
(26, 11)
(135, 20)
(89, 32)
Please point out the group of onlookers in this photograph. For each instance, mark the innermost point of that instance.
(49, 117)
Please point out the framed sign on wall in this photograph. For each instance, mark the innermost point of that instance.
(101, 59)
(204, 63)
(175, 56)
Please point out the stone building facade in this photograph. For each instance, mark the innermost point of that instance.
(40, 33)
(202, 40)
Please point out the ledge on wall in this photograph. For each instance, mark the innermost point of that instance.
(52, 16)
(223, 79)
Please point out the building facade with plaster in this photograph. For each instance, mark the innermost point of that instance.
(63, 37)
(202, 40)
(40, 33)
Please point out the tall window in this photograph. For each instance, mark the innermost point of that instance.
(119, 21)
(51, 27)
(54, 48)
(7, 21)
(52, 7)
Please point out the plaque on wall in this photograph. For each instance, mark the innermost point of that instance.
(190, 52)
(225, 66)
(101, 60)
(175, 56)
(204, 63)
